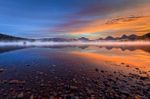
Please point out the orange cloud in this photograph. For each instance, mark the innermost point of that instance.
(138, 23)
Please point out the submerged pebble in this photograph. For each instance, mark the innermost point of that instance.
(2, 69)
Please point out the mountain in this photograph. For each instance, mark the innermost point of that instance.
(83, 39)
(143, 37)
(132, 37)
(4, 37)
(100, 39)
(146, 36)
(63, 39)
(57, 39)
(124, 37)
(109, 38)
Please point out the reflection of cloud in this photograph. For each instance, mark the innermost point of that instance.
(10, 48)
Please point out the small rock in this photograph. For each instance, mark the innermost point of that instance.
(32, 97)
(137, 97)
(127, 66)
(76, 97)
(16, 82)
(73, 87)
(137, 68)
(54, 65)
(27, 65)
(143, 78)
(124, 92)
(89, 91)
(1, 69)
(96, 70)
(122, 63)
(21, 95)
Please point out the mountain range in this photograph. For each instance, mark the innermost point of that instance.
(4, 37)
(124, 37)
(131, 37)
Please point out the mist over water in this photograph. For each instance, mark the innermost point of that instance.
(51, 43)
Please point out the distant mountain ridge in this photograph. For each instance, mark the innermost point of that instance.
(4, 37)
(135, 37)
(124, 37)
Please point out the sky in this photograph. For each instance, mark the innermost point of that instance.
(74, 18)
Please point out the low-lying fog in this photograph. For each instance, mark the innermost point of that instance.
(51, 43)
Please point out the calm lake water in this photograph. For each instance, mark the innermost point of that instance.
(49, 70)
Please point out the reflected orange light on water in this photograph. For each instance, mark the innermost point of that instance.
(138, 58)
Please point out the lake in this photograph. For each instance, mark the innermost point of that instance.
(69, 71)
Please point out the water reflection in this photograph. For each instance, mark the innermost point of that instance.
(69, 69)
(10, 48)
(136, 55)
(123, 48)
(81, 47)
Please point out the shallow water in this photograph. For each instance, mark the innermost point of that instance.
(44, 69)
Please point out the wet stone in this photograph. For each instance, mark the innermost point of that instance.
(127, 65)
(16, 82)
(97, 70)
(54, 65)
(28, 65)
(137, 97)
(144, 78)
(137, 68)
(21, 95)
(122, 63)
(2, 70)
(105, 85)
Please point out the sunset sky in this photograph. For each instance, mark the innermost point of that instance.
(74, 18)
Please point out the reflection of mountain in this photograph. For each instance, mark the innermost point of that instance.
(130, 48)
(10, 48)
(123, 48)
(66, 46)
(83, 47)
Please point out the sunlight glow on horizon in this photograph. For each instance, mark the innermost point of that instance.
(74, 18)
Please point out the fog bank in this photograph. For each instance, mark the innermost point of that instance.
(50, 43)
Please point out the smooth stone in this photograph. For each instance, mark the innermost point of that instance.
(144, 78)
(2, 70)
(21, 95)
